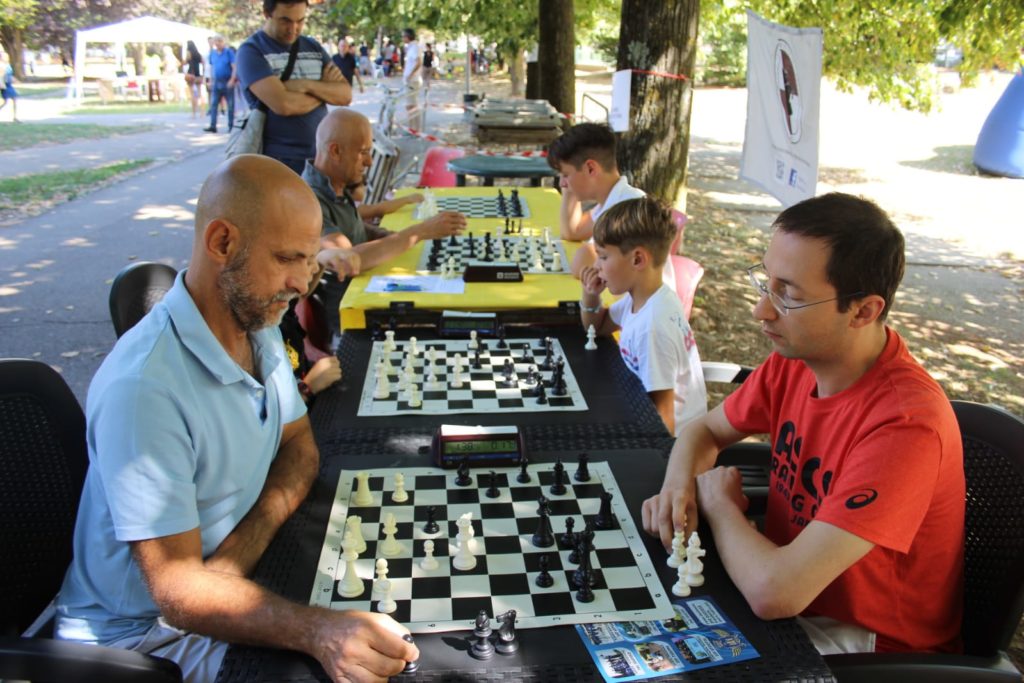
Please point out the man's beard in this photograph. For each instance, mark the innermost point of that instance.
(251, 312)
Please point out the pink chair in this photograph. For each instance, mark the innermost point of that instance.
(679, 218)
(688, 275)
(435, 171)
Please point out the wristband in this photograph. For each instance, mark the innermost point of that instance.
(590, 309)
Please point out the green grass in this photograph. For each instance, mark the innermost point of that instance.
(22, 135)
(23, 193)
(133, 108)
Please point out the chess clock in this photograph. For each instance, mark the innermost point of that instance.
(478, 446)
(459, 324)
(483, 271)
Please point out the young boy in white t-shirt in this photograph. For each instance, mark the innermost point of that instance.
(632, 240)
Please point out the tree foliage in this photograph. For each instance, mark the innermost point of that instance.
(15, 16)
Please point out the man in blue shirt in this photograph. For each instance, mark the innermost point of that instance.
(222, 81)
(200, 449)
(345, 60)
(296, 106)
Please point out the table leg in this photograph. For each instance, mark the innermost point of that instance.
(460, 180)
(488, 181)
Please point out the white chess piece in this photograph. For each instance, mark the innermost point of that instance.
(413, 349)
(353, 525)
(591, 344)
(389, 341)
(363, 496)
(429, 562)
(390, 547)
(464, 559)
(451, 267)
(457, 379)
(680, 587)
(676, 557)
(386, 604)
(547, 235)
(399, 495)
(382, 389)
(414, 397)
(432, 355)
(694, 567)
(351, 585)
(381, 567)
(473, 343)
(556, 262)
(433, 383)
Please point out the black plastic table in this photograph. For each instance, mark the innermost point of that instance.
(549, 654)
(491, 167)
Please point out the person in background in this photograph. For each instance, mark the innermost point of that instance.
(429, 59)
(345, 60)
(194, 76)
(9, 93)
(223, 76)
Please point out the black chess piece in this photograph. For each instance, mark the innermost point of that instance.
(477, 363)
(582, 468)
(542, 394)
(431, 527)
(605, 519)
(507, 643)
(492, 490)
(463, 478)
(574, 554)
(413, 666)
(544, 538)
(544, 579)
(523, 477)
(558, 487)
(502, 344)
(568, 537)
(482, 648)
(452, 242)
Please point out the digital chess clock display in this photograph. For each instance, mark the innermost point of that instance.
(488, 446)
(477, 446)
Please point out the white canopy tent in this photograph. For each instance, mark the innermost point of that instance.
(140, 30)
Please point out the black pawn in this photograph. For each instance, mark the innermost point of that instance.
(476, 359)
(605, 519)
(585, 594)
(463, 478)
(558, 487)
(523, 477)
(501, 338)
(542, 395)
(568, 537)
(507, 370)
(431, 527)
(413, 666)
(451, 241)
(492, 490)
(544, 579)
(582, 468)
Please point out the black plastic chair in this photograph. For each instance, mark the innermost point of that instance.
(135, 290)
(43, 460)
(993, 563)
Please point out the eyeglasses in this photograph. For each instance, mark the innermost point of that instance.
(759, 279)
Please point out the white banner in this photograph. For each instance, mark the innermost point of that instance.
(618, 117)
(780, 146)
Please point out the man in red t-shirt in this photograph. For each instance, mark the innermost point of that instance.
(864, 527)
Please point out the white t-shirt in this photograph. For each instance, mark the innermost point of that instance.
(657, 345)
(412, 55)
(622, 191)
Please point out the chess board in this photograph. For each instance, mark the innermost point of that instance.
(484, 207)
(626, 587)
(484, 390)
(514, 248)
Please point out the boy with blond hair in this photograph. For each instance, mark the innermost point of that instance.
(632, 240)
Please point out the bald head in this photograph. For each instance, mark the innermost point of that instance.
(343, 126)
(241, 189)
(344, 140)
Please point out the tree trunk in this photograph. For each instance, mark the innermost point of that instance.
(660, 37)
(555, 54)
(14, 47)
(517, 72)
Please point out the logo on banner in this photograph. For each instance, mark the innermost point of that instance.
(789, 93)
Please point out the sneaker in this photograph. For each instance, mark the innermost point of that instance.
(209, 130)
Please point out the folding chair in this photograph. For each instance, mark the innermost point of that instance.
(383, 165)
(43, 461)
(688, 274)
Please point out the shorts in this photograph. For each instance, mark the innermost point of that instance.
(9, 93)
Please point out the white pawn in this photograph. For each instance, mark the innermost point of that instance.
(694, 567)
(433, 383)
(390, 547)
(591, 344)
(556, 262)
(386, 604)
(381, 567)
(547, 235)
(538, 262)
(389, 341)
(414, 397)
(351, 585)
(473, 343)
(451, 267)
(409, 378)
(432, 355)
(413, 349)
(676, 557)
(382, 389)
(457, 375)
(353, 525)
(680, 587)
(399, 495)
(363, 496)
(429, 562)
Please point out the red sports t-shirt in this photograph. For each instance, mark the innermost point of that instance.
(883, 460)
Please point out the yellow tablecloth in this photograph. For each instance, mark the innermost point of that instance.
(535, 291)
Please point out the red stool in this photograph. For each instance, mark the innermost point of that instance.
(435, 171)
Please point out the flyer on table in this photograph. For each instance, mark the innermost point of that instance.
(698, 637)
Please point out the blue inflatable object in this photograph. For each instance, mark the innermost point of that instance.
(1000, 146)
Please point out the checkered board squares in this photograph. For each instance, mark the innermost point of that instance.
(484, 390)
(521, 249)
(447, 599)
(484, 207)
